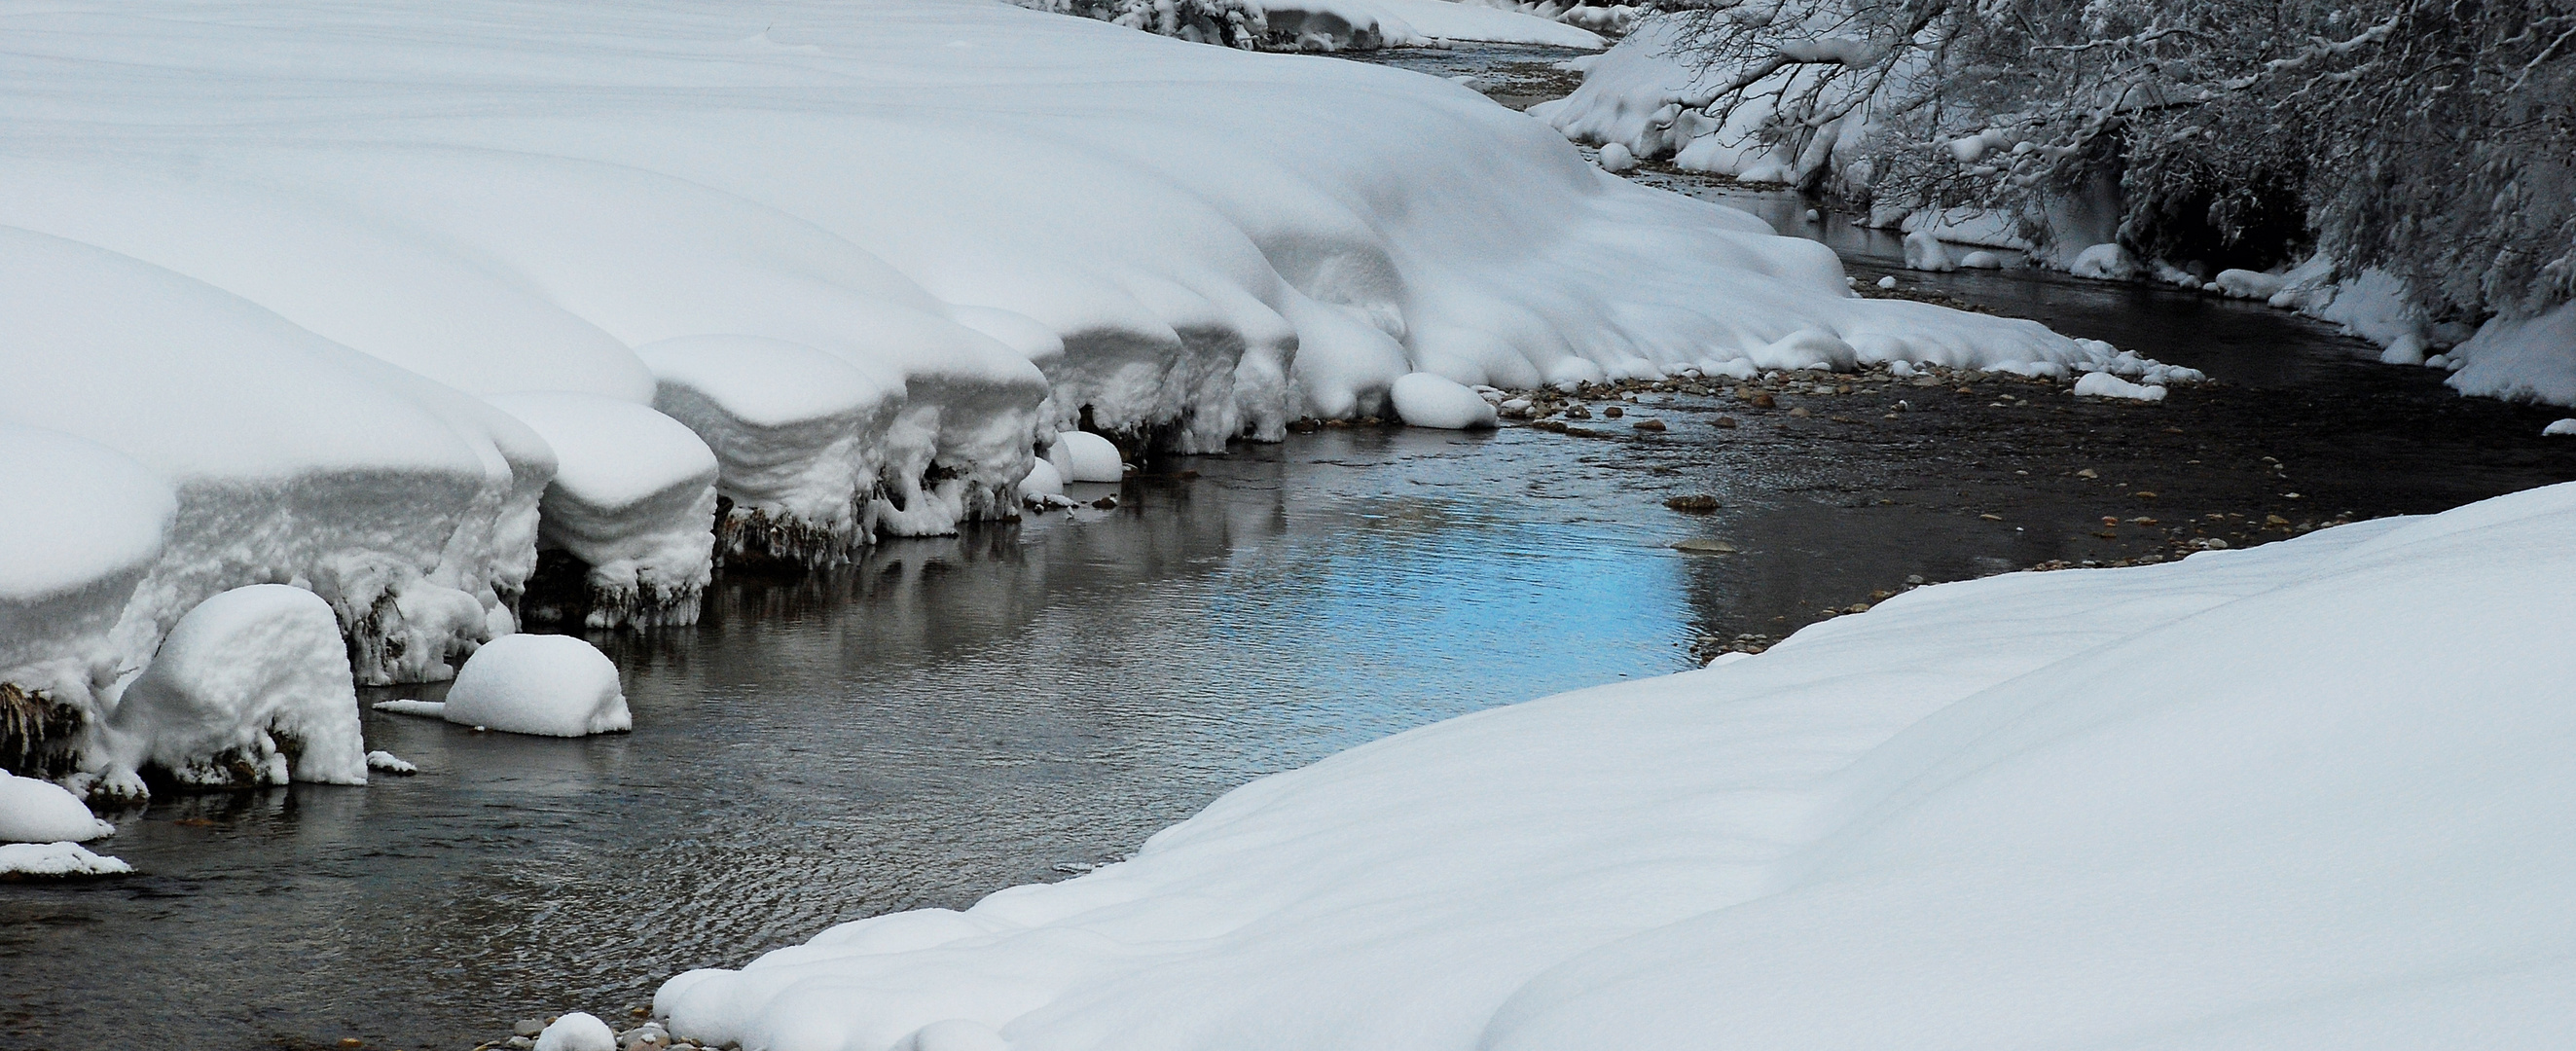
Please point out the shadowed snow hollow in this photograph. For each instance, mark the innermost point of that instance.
(2232, 801)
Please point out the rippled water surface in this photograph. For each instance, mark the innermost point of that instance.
(944, 719)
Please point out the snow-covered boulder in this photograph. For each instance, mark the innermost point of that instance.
(2249, 284)
(1043, 479)
(2222, 802)
(2560, 429)
(578, 1031)
(2521, 359)
(799, 437)
(2106, 262)
(1426, 400)
(2106, 385)
(549, 685)
(633, 497)
(1081, 456)
(56, 860)
(252, 687)
(1924, 251)
(1367, 25)
(33, 811)
(1981, 260)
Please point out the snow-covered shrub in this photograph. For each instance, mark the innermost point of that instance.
(2434, 142)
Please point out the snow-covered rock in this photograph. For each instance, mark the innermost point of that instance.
(2560, 429)
(252, 687)
(1981, 260)
(1924, 251)
(2106, 385)
(388, 763)
(578, 1031)
(1081, 456)
(633, 497)
(1616, 158)
(1425, 400)
(2222, 802)
(57, 860)
(1043, 479)
(2249, 284)
(34, 811)
(549, 685)
(2106, 262)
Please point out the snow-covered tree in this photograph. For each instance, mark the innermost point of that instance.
(2429, 138)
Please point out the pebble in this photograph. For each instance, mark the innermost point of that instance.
(527, 1027)
(1723, 421)
(1650, 425)
(1800, 413)
(1697, 503)
(1613, 412)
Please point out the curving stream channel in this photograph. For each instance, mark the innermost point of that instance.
(948, 717)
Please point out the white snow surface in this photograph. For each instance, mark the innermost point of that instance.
(37, 811)
(1426, 400)
(578, 1031)
(252, 687)
(1081, 456)
(57, 859)
(2106, 385)
(800, 435)
(2521, 359)
(633, 497)
(548, 685)
(2560, 428)
(1334, 25)
(2223, 802)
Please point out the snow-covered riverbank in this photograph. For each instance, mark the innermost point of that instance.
(2297, 796)
(378, 302)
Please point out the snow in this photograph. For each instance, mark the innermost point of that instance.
(34, 811)
(1924, 251)
(2106, 385)
(2560, 428)
(2249, 284)
(252, 687)
(1426, 400)
(2106, 262)
(578, 1031)
(2223, 802)
(55, 860)
(85, 525)
(1336, 25)
(1043, 479)
(2521, 359)
(549, 685)
(293, 268)
(1981, 260)
(800, 438)
(1081, 456)
(1616, 158)
(389, 763)
(634, 498)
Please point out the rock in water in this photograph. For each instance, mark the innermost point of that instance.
(245, 678)
(580, 1030)
(1081, 456)
(1426, 400)
(34, 811)
(551, 685)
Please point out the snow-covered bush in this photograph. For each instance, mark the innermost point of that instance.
(2431, 141)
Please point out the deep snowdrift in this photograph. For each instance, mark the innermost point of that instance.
(2311, 794)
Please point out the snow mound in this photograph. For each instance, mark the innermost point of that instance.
(34, 811)
(1425, 400)
(57, 860)
(799, 437)
(2566, 427)
(1043, 479)
(2104, 262)
(252, 687)
(549, 685)
(1366, 25)
(2228, 798)
(85, 525)
(634, 498)
(2106, 385)
(1924, 251)
(578, 1031)
(1981, 260)
(1081, 456)
(2523, 359)
(389, 763)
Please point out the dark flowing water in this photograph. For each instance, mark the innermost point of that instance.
(949, 717)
